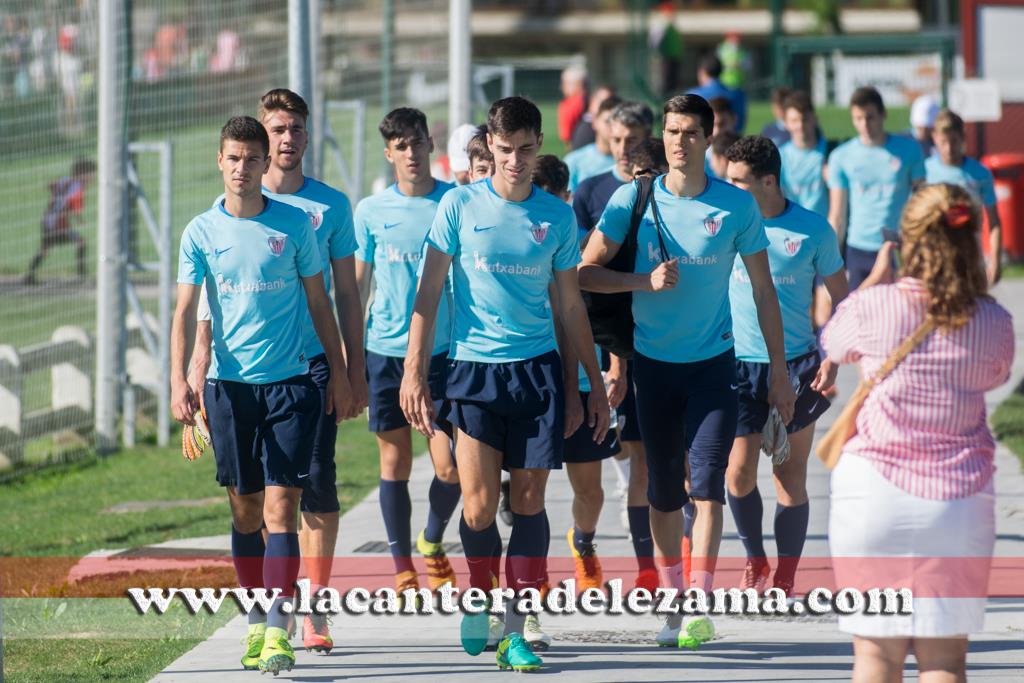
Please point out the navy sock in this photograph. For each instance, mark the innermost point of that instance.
(524, 563)
(280, 570)
(582, 540)
(396, 507)
(689, 512)
(247, 551)
(790, 533)
(747, 513)
(443, 499)
(479, 547)
(640, 530)
(496, 550)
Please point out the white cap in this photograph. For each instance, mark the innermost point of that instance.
(923, 112)
(458, 160)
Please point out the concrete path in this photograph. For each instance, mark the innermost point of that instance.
(619, 648)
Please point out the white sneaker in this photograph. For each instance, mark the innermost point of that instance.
(669, 634)
(534, 636)
(495, 631)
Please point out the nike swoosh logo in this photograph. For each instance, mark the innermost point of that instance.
(301, 476)
(734, 387)
(218, 252)
(388, 226)
(477, 228)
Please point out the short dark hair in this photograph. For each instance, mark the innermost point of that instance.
(723, 141)
(551, 174)
(513, 114)
(759, 153)
(83, 167)
(779, 95)
(245, 129)
(866, 95)
(649, 154)
(692, 105)
(609, 103)
(711, 65)
(282, 99)
(403, 122)
(799, 100)
(634, 115)
(477, 147)
(721, 105)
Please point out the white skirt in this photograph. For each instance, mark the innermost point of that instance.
(911, 541)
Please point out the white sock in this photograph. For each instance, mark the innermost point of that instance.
(703, 580)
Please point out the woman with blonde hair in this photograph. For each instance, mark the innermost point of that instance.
(912, 502)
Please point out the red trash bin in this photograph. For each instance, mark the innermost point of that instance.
(1008, 171)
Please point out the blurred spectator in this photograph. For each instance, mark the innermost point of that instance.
(225, 55)
(776, 130)
(725, 116)
(710, 86)
(735, 60)
(666, 39)
(574, 101)
(922, 119)
(584, 133)
(68, 66)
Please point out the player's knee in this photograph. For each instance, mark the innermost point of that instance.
(477, 518)
(449, 474)
(591, 496)
(741, 480)
(247, 520)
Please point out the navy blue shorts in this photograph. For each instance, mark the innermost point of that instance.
(321, 491)
(263, 434)
(384, 378)
(517, 408)
(752, 379)
(859, 264)
(580, 447)
(687, 413)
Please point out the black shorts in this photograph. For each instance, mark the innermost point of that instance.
(262, 434)
(384, 379)
(321, 491)
(517, 408)
(752, 379)
(687, 413)
(580, 446)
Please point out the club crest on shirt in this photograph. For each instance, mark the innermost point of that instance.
(316, 218)
(276, 243)
(539, 231)
(712, 224)
(792, 246)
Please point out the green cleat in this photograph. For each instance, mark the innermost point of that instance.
(515, 653)
(473, 632)
(253, 646)
(695, 633)
(277, 654)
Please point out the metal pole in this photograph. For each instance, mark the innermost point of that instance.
(299, 71)
(111, 277)
(166, 249)
(387, 66)
(460, 57)
(315, 153)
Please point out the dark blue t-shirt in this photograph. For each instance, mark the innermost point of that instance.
(592, 196)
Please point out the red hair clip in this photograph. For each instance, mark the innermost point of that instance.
(958, 216)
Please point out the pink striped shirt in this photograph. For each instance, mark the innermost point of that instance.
(925, 426)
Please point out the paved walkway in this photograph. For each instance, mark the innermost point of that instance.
(618, 648)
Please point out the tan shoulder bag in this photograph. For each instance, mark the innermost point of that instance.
(842, 430)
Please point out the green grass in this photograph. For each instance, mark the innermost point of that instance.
(1008, 423)
(58, 514)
